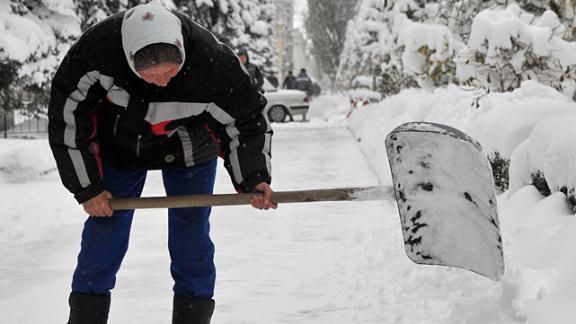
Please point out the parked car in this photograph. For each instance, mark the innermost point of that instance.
(283, 103)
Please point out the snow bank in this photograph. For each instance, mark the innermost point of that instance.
(504, 120)
(328, 107)
(534, 126)
(549, 149)
(370, 124)
(501, 123)
(31, 205)
(504, 129)
(25, 160)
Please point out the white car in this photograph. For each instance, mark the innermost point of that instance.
(284, 103)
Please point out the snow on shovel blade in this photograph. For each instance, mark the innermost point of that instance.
(444, 188)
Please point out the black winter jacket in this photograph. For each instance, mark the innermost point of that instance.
(101, 112)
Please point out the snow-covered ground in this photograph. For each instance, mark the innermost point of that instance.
(341, 262)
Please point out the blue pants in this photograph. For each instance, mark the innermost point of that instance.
(105, 239)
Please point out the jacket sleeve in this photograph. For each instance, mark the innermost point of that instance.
(75, 94)
(239, 121)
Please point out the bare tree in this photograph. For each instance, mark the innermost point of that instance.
(326, 26)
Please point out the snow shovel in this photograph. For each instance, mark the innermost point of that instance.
(442, 183)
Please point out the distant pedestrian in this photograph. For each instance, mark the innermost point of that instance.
(289, 81)
(303, 82)
(255, 75)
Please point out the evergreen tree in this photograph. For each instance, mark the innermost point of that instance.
(10, 84)
(488, 63)
(206, 13)
(19, 92)
(25, 83)
(248, 24)
(93, 11)
(237, 23)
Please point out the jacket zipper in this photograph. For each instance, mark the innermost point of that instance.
(138, 145)
(115, 129)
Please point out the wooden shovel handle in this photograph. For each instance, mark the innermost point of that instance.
(336, 194)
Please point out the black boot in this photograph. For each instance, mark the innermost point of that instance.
(192, 310)
(88, 309)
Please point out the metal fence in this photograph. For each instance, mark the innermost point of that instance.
(20, 124)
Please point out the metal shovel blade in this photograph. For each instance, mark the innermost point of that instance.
(445, 192)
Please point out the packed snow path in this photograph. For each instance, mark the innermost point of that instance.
(339, 262)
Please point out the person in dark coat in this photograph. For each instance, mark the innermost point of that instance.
(303, 82)
(150, 89)
(289, 81)
(255, 75)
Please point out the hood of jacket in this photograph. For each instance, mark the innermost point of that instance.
(148, 24)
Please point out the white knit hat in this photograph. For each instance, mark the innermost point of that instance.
(149, 24)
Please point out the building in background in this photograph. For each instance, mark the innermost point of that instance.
(283, 34)
(291, 44)
(301, 57)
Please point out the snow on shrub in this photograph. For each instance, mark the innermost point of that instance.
(507, 46)
(428, 53)
(502, 130)
(547, 157)
(505, 120)
(502, 124)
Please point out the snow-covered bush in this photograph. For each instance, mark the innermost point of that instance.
(237, 23)
(494, 44)
(404, 42)
(506, 120)
(547, 157)
(508, 46)
(33, 37)
(500, 171)
(428, 50)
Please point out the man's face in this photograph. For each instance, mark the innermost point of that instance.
(243, 59)
(160, 74)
